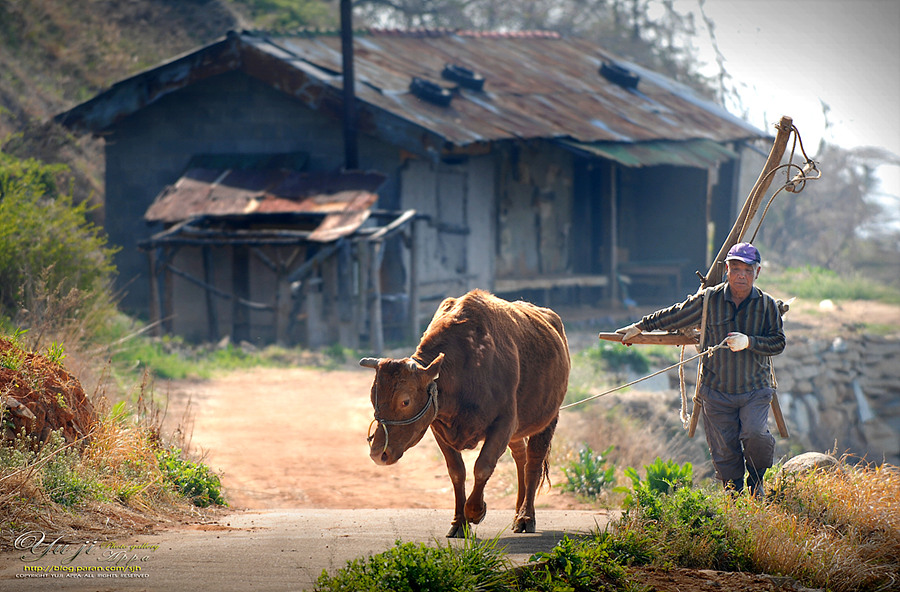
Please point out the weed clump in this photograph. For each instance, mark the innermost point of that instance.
(191, 479)
(589, 476)
(407, 567)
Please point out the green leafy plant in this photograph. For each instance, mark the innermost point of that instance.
(685, 527)
(576, 564)
(13, 357)
(588, 476)
(63, 476)
(193, 480)
(56, 353)
(409, 567)
(662, 476)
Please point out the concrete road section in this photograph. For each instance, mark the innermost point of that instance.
(270, 550)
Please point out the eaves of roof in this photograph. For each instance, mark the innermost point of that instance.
(691, 153)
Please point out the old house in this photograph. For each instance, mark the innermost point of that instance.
(527, 164)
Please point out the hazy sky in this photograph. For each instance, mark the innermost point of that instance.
(789, 56)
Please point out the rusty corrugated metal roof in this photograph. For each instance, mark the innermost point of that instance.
(537, 86)
(345, 198)
(691, 153)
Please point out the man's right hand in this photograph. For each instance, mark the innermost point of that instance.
(629, 332)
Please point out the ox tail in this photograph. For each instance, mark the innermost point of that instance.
(541, 442)
(545, 473)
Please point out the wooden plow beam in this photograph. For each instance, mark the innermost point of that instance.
(653, 338)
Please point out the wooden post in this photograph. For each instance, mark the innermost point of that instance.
(413, 283)
(376, 328)
(613, 239)
(168, 291)
(283, 306)
(156, 329)
(779, 418)
(240, 285)
(312, 301)
(362, 303)
(212, 315)
(712, 178)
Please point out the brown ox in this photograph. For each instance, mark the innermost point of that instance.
(485, 370)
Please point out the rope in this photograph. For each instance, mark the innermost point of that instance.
(633, 382)
(794, 185)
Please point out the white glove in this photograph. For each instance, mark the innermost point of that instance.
(737, 341)
(629, 332)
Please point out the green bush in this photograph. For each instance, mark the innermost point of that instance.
(588, 476)
(686, 527)
(63, 477)
(662, 476)
(408, 567)
(47, 244)
(193, 480)
(576, 564)
(615, 357)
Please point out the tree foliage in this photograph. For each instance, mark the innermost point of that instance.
(47, 243)
(650, 32)
(833, 222)
(284, 15)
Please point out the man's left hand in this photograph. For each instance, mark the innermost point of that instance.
(737, 341)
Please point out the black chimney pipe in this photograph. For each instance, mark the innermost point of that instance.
(351, 151)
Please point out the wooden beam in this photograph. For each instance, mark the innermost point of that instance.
(652, 338)
(398, 222)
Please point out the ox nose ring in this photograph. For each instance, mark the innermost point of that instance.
(371, 434)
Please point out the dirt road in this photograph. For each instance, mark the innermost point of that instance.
(296, 438)
(290, 446)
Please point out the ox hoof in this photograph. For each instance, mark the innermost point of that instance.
(459, 531)
(476, 515)
(524, 525)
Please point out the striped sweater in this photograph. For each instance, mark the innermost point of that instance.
(757, 317)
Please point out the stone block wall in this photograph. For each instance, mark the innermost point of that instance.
(843, 394)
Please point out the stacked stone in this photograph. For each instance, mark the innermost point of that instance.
(843, 393)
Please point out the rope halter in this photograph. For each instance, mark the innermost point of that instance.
(383, 422)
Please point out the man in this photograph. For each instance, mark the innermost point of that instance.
(735, 387)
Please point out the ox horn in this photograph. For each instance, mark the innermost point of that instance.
(369, 362)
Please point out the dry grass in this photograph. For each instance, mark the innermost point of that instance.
(105, 485)
(837, 529)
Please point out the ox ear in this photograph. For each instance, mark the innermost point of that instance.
(369, 362)
(434, 368)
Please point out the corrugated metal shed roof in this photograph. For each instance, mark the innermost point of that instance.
(692, 153)
(344, 198)
(537, 86)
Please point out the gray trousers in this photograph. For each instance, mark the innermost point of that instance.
(737, 431)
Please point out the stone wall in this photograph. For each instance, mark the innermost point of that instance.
(843, 394)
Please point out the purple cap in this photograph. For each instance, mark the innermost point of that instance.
(743, 252)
